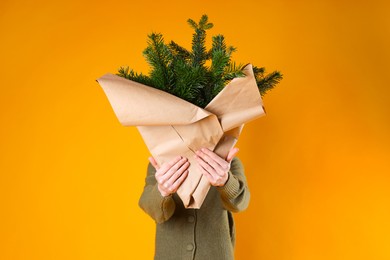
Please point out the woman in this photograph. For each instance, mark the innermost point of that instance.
(205, 233)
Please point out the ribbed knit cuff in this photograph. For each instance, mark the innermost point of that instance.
(229, 190)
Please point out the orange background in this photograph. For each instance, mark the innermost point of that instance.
(317, 164)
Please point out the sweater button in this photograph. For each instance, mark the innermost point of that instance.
(190, 247)
(191, 219)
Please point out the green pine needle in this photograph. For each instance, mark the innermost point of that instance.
(183, 73)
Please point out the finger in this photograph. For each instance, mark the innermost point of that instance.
(207, 159)
(176, 166)
(166, 166)
(207, 167)
(213, 155)
(164, 169)
(178, 173)
(179, 181)
(168, 174)
(214, 179)
(205, 173)
(231, 154)
(154, 163)
(217, 167)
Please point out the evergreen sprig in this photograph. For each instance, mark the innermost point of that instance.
(184, 73)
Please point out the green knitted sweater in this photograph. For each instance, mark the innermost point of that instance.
(205, 233)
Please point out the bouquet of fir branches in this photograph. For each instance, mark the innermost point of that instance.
(190, 99)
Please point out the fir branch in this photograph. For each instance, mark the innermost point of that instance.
(230, 50)
(189, 81)
(192, 23)
(218, 63)
(259, 72)
(268, 82)
(218, 43)
(199, 53)
(233, 71)
(179, 52)
(183, 73)
(132, 75)
(159, 58)
(203, 23)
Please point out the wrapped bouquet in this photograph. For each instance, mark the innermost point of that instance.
(190, 99)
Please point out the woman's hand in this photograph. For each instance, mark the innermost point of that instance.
(171, 174)
(213, 167)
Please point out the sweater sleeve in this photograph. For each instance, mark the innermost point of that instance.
(158, 207)
(235, 193)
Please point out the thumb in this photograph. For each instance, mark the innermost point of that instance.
(231, 154)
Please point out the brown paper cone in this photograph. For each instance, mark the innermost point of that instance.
(171, 126)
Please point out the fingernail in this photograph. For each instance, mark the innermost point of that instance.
(203, 149)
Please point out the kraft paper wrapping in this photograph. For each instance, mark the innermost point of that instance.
(171, 126)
